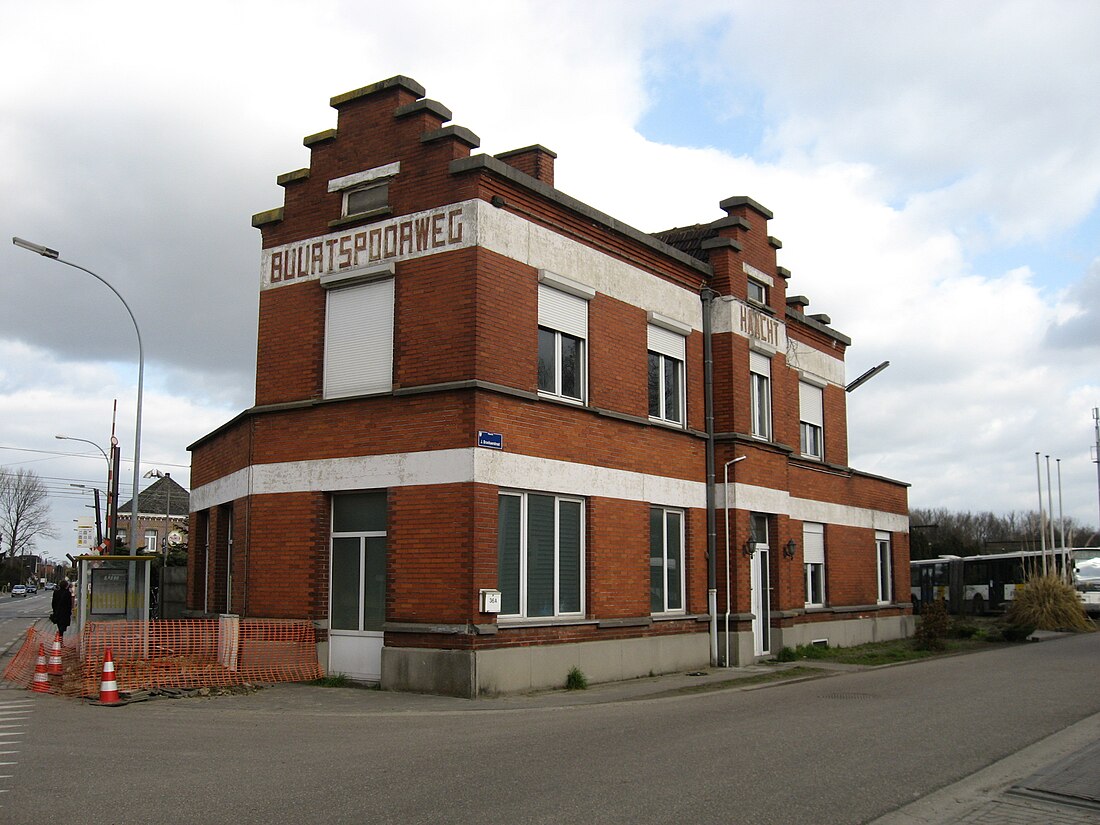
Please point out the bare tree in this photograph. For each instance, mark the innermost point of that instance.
(938, 531)
(24, 512)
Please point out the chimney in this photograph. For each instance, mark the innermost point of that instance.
(798, 303)
(536, 161)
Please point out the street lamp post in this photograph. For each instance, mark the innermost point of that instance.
(111, 507)
(86, 441)
(167, 518)
(46, 252)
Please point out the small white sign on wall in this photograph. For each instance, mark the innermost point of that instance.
(490, 601)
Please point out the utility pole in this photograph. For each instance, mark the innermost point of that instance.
(1042, 515)
(1096, 449)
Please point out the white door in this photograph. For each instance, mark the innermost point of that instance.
(760, 584)
(357, 586)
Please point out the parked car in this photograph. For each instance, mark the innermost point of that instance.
(32, 588)
(19, 590)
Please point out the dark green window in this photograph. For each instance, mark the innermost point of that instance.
(358, 586)
(540, 555)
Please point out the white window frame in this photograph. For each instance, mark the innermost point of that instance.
(563, 311)
(359, 332)
(677, 561)
(151, 534)
(813, 558)
(758, 292)
(884, 567)
(523, 612)
(759, 283)
(378, 177)
(361, 537)
(668, 345)
(760, 395)
(811, 425)
(558, 389)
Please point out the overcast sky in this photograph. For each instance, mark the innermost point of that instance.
(933, 167)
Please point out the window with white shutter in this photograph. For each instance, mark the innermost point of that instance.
(359, 339)
(563, 336)
(811, 420)
(666, 357)
(760, 394)
(813, 559)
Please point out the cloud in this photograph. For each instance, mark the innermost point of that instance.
(1079, 326)
(974, 109)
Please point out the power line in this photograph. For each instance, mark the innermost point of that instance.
(96, 456)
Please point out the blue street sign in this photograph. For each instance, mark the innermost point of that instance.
(494, 441)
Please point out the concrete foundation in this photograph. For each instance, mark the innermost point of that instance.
(844, 632)
(541, 667)
(471, 673)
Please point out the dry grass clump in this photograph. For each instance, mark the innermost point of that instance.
(1048, 602)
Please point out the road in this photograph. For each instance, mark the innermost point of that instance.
(19, 612)
(842, 749)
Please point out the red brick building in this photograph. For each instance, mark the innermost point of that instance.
(495, 430)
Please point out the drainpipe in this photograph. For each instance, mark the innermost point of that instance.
(708, 295)
(728, 528)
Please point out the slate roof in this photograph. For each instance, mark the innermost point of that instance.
(155, 499)
(688, 239)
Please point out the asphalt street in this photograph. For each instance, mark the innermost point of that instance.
(18, 612)
(846, 748)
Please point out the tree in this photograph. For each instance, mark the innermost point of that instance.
(24, 512)
(938, 531)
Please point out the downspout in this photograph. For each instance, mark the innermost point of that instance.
(727, 528)
(708, 295)
(248, 517)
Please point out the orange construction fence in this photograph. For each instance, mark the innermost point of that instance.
(178, 653)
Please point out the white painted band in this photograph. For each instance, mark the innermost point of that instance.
(515, 471)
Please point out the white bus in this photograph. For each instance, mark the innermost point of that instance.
(984, 583)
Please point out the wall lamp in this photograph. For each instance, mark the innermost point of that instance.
(749, 548)
(789, 549)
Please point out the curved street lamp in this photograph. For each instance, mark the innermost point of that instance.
(86, 441)
(46, 252)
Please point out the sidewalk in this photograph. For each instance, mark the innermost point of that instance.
(1056, 781)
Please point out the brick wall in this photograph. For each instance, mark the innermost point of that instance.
(471, 315)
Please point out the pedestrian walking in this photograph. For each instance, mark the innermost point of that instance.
(62, 605)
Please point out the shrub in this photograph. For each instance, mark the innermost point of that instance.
(932, 629)
(576, 680)
(964, 630)
(787, 654)
(1048, 602)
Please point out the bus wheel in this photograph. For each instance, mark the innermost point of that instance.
(978, 605)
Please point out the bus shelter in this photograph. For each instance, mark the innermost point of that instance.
(112, 588)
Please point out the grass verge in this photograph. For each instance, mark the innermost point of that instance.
(884, 653)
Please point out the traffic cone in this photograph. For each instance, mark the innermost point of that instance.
(108, 687)
(41, 683)
(54, 664)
